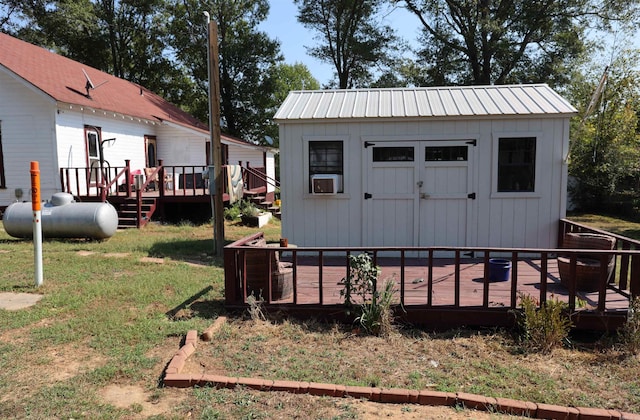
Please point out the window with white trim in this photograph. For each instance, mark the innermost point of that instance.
(326, 158)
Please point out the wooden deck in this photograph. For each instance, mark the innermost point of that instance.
(437, 293)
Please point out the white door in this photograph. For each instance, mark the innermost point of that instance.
(444, 193)
(390, 200)
(417, 193)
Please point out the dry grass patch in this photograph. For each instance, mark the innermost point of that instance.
(485, 363)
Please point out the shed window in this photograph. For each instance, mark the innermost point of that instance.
(516, 164)
(393, 154)
(2, 178)
(326, 157)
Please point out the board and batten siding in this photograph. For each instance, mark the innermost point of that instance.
(495, 219)
(28, 133)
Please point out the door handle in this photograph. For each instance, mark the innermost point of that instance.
(419, 183)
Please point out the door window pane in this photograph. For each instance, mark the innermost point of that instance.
(445, 153)
(393, 154)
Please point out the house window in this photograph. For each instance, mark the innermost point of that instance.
(3, 183)
(326, 157)
(516, 164)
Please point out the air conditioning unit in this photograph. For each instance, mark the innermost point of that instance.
(325, 184)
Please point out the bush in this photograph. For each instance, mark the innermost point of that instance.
(372, 308)
(543, 328)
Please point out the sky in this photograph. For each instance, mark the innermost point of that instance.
(282, 24)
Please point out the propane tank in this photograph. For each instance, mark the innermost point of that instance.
(62, 217)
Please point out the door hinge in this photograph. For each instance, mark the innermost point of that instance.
(471, 196)
(368, 143)
(367, 196)
(472, 142)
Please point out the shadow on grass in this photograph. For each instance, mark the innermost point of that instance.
(207, 309)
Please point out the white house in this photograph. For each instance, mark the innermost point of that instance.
(449, 166)
(57, 111)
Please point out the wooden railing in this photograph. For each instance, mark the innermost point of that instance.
(626, 284)
(176, 180)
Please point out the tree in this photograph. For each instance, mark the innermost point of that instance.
(349, 37)
(245, 54)
(605, 145)
(509, 41)
(287, 77)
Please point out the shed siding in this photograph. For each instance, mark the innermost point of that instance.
(504, 220)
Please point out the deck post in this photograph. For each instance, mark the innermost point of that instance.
(161, 177)
(634, 283)
(514, 279)
(127, 174)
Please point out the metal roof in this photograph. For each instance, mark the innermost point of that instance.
(424, 102)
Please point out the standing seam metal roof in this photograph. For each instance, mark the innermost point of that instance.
(459, 101)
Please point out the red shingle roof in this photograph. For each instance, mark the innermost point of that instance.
(63, 80)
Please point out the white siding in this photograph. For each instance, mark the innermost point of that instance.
(27, 135)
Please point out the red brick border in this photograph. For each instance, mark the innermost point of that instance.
(174, 378)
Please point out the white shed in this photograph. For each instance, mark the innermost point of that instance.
(440, 166)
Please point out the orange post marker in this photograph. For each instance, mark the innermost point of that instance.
(35, 186)
(37, 222)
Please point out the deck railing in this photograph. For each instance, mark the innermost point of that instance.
(172, 180)
(625, 284)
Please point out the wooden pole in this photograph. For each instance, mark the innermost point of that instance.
(216, 143)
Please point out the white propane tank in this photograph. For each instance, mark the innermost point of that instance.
(62, 217)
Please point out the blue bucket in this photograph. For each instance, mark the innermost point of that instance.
(499, 269)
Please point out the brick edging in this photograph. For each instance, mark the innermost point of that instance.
(173, 378)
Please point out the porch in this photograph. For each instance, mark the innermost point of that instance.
(138, 195)
(438, 292)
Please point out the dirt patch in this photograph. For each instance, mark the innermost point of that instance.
(152, 260)
(152, 404)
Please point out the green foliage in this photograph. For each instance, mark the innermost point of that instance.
(543, 328)
(372, 308)
(246, 56)
(605, 152)
(350, 37)
(514, 41)
(630, 332)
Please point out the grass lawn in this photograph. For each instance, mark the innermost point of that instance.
(113, 314)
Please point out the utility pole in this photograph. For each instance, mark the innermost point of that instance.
(216, 143)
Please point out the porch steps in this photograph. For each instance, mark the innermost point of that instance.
(128, 212)
(260, 200)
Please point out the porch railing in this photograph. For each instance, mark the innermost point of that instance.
(174, 180)
(626, 281)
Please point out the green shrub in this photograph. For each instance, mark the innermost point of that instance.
(543, 328)
(372, 308)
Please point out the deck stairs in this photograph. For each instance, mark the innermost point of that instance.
(257, 197)
(128, 212)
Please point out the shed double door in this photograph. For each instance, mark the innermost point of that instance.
(417, 193)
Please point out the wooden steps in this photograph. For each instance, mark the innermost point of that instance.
(128, 212)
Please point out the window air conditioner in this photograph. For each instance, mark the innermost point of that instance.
(324, 184)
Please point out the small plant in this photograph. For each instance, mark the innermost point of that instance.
(630, 331)
(361, 298)
(233, 212)
(545, 328)
(255, 309)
